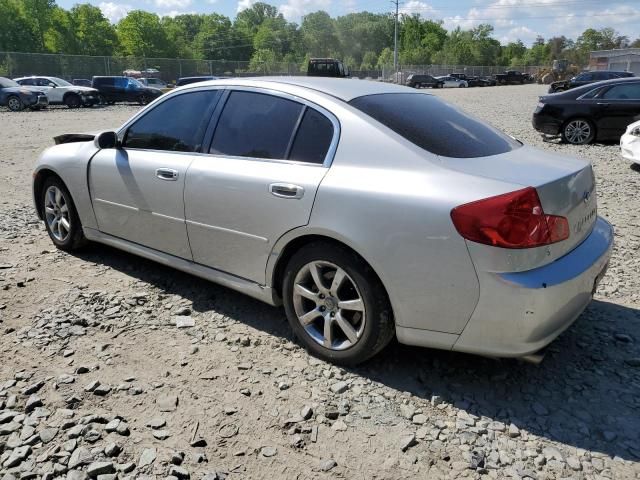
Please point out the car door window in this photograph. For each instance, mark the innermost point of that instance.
(313, 138)
(27, 81)
(178, 124)
(256, 125)
(630, 91)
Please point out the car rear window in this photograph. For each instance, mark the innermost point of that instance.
(434, 125)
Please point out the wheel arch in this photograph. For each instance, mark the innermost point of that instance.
(39, 179)
(69, 94)
(287, 246)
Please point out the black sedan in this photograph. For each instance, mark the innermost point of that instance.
(600, 111)
(16, 97)
(585, 78)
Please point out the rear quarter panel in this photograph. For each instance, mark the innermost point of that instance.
(391, 201)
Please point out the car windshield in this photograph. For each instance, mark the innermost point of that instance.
(434, 125)
(6, 83)
(60, 82)
(135, 83)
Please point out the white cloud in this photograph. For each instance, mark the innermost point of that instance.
(244, 4)
(173, 4)
(416, 6)
(295, 9)
(175, 13)
(115, 11)
(519, 33)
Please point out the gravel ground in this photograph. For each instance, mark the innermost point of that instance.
(96, 380)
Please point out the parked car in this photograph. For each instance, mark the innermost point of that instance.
(512, 76)
(61, 92)
(253, 184)
(452, 82)
(16, 97)
(586, 78)
(327, 67)
(189, 80)
(471, 81)
(153, 82)
(124, 89)
(599, 111)
(81, 82)
(630, 143)
(417, 81)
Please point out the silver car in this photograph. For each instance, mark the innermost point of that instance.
(369, 210)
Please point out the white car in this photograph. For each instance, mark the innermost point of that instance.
(453, 82)
(61, 92)
(153, 82)
(630, 143)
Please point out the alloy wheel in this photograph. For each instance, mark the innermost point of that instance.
(328, 305)
(577, 132)
(56, 211)
(14, 104)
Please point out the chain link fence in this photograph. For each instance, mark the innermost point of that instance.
(69, 67)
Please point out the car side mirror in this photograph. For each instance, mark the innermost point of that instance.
(107, 140)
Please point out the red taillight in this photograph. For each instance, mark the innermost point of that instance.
(512, 220)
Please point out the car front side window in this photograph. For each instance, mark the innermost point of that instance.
(178, 124)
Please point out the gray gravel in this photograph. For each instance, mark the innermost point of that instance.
(97, 380)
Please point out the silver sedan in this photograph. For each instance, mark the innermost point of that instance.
(369, 210)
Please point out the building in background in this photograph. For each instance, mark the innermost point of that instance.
(621, 59)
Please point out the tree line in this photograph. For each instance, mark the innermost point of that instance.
(260, 34)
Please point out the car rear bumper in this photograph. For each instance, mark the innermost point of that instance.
(630, 147)
(546, 124)
(520, 313)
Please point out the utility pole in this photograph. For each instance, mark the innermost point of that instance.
(395, 38)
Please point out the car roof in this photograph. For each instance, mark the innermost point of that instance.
(576, 92)
(342, 88)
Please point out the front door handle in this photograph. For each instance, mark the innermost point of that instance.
(286, 190)
(603, 104)
(168, 174)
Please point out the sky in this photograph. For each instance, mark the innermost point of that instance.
(512, 19)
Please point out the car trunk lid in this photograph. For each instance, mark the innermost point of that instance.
(565, 186)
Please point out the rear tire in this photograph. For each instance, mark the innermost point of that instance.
(360, 322)
(578, 131)
(14, 103)
(60, 216)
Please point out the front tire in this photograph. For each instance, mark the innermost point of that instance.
(73, 101)
(336, 305)
(60, 216)
(15, 104)
(143, 99)
(578, 131)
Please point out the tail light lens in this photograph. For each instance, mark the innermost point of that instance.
(512, 220)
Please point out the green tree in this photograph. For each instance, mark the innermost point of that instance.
(319, 34)
(386, 58)
(141, 34)
(39, 14)
(94, 34)
(250, 19)
(361, 32)
(511, 51)
(60, 37)
(218, 40)
(16, 34)
(263, 61)
(369, 61)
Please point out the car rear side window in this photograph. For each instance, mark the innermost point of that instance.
(434, 125)
(178, 124)
(313, 138)
(256, 125)
(628, 91)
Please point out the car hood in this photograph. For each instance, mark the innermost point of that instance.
(78, 88)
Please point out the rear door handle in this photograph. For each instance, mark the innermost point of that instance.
(168, 174)
(286, 190)
(603, 104)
